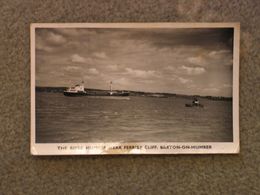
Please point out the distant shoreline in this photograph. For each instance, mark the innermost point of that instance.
(101, 92)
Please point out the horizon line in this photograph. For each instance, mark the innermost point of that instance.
(144, 92)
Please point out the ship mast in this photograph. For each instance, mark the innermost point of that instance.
(82, 85)
(110, 86)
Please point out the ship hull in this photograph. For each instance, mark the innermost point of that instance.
(74, 94)
(194, 105)
(119, 95)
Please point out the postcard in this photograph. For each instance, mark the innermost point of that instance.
(134, 88)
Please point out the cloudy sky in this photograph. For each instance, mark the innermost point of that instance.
(185, 61)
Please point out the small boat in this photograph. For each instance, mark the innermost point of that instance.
(77, 90)
(195, 103)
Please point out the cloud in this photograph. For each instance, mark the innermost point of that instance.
(196, 60)
(40, 44)
(213, 89)
(55, 39)
(148, 81)
(141, 73)
(42, 47)
(77, 58)
(48, 41)
(212, 58)
(101, 55)
(170, 68)
(121, 81)
(113, 67)
(223, 57)
(184, 81)
(93, 71)
(75, 32)
(219, 52)
(193, 70)
(71, 68)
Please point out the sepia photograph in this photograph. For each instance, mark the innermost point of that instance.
(134, 88)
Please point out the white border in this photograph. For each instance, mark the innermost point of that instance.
(139, 148)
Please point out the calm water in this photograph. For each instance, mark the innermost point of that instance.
(130, 119)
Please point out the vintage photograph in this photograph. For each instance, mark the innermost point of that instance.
(144, 88)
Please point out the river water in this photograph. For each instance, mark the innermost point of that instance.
(61, 119)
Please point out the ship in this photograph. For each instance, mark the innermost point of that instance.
(77, 90)
(117, 93)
